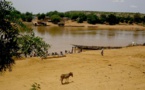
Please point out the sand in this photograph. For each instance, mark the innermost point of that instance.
(121, 26)
(118, 69)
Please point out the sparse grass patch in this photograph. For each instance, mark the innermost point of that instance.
(35, 86)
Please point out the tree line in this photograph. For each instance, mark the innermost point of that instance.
(110, 18)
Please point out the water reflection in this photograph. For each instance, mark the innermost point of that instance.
(61, 38)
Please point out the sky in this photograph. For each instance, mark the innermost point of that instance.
(44, 6)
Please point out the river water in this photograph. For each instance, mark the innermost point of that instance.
(62, 38)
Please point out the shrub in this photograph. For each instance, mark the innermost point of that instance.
(55, 18)
(35, 86)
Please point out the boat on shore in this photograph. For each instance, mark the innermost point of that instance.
(96, 47)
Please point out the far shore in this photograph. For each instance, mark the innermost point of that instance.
(70, 23)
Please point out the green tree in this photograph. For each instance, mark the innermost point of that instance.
(143, 19)
(112, 19)
(23, 17)
(26, 16)
(29, 44)
(16, 13)
(103, 18)
(55, 13)
(41, 16)
(128, 19)
(92, 19)
(10, 34)
(81, 17)
(74, 16)
(52, 13)
(122, 19)
(29, 16)
(137, 18)
(55, 18)
(67, 14)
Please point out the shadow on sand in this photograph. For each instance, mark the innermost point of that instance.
(67, 83)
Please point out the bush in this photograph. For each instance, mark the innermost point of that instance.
(35, 86)
(112, 19)
(92, 19)
(55, 18)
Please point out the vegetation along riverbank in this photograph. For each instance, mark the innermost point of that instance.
(95, 19)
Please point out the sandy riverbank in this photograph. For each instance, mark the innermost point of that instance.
(118, 69)
(70, 23)
(104, 26)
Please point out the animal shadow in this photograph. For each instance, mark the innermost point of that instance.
(66, 83)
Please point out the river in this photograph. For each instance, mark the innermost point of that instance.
(62, 38)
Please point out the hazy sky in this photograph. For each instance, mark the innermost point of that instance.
(43, 6)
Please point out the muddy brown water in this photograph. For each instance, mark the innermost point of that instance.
(62, 38)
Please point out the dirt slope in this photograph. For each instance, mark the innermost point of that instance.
(118, 69)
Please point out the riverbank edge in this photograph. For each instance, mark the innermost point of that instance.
(122, 26)
(118, 27)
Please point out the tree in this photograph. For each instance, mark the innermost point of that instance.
(26, 16)
(92, 19)
(10, 35)
(143, 19)
(82, 17)
(103, 18)
(55, 18)
(67, 14)
(29, 44)
(122, 19)
(16, 13)
(52, 13)
(29, 16)
(137, 18)
(74, 16)
(55, 13)
(23, 17)
(112, 19)
(41, 16)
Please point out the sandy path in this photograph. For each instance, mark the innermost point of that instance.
(122, 69)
